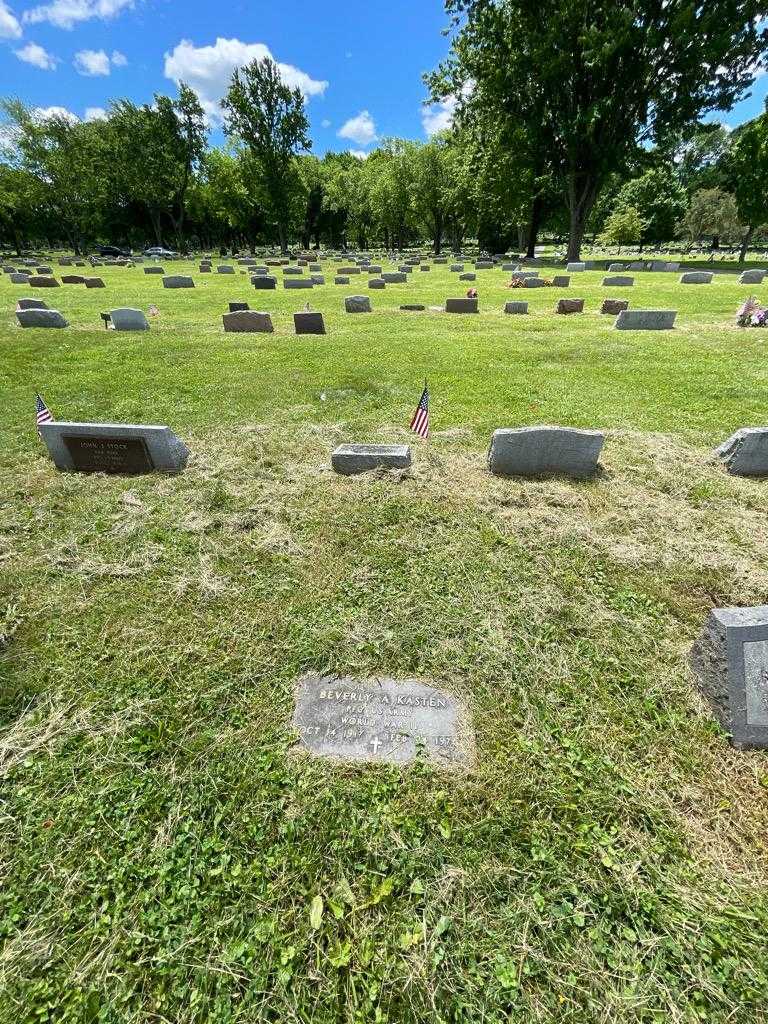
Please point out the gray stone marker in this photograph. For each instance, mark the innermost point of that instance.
(292, 271)
(376, 283)
(576, 268)
(696, 277)
(413, 307)
(267, 283)
(515, 307)
(752, 277)
(394, 278)
(341, 280)
(462, 306)
(636, 265)
(236, 307)
(351, 459)
(317, 279)
(114, 448)
(96, 282)
(44, 270)
(457, 268)
(566, 306)
(128, 320)
(43, 282)
(348, 271)
(658, 266)
(535, 282)
(177, 281)
(295, 283)
(484, 264)
(31, 304)
(381, 720)
(730, 661)
(614, 306)
(19, 278)
(616, 268)
(468, 277)
(745, 453)
(524, 275)
(224, 269)
(545, 451)
(618, 282)
(247, 321)
(357, 304)
(561, 281)
(73, 279)
(646, 320)
(308, 322)
(205, 268)
(40, 318)
(156, 270)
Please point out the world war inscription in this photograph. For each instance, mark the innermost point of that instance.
(380, 720)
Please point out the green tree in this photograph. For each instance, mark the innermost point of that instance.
(269, 118)
(624, 227)
(591, 80)
(431, 171)
(658, 199)
(747, 172)
(185, 121)
(712, 213)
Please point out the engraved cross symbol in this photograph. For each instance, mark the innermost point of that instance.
(375, 743)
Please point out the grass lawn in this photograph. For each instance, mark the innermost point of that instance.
(162, 839)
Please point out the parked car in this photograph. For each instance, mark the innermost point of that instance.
(160, 253)
(112, 250)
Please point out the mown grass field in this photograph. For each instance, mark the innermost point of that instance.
(162, 839)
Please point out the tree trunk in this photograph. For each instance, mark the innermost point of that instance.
(745, 243)
(283, 240)
(533, 227)
(154, 217)
(581, 199)
(438, 234)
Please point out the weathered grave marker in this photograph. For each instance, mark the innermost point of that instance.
(114, 448)
(351, 459)
(545, 451)
(646, 320)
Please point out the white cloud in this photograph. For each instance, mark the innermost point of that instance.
(46, 113)
(95, 113)
(37, 56)
(119, 60)
(91, 63)
(360, 129)
(9, 23)
(359, 154)
(439, 116)
(325, 123)
(208, 70)
(67, 13)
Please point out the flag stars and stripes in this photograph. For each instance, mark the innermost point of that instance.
(43, 412)
(420, 421)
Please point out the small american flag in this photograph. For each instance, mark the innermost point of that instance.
(43, 412)
(420, 421)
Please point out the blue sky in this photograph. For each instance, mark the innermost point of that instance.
(358, 62)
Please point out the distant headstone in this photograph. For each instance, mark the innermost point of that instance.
(341, 280)
(348, 271)
(155, 270)
(614, 306)
(515, 307)
(636, 265)
(114, 448)
(247, 321)
(128, 320)
(524, 275)
(308, 323)
(483, 265)
(561, 281)
(351, 459)
(19, 278)
(696, 277)
(178, 281)
(73, 279)
(457, 268)
(357, 304)
(545, 451)
(510, 267)
(394, 278)
(618, 282)
(292, 271)
(267, 283)
(31, 304)
(745, 453)
(615, 268)
(43, 282)
(468, 277)
(376, 283)
(461, 306)
(646, 320)
(224, 269)
(40, 318)
(381, 720)
(566, 306)
(44, 270)
(730, 662)
(752, 277)
(535, 282)
(294, 283)
(413, 308)
(236, 307)
(317, 279)
(205, 268)
(576, 268)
